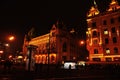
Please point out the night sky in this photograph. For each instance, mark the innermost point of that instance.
(17, 17)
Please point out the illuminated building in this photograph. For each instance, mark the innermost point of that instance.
(59, 45)
(103, 33)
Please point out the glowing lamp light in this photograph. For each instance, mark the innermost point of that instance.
(1, 51)
(82, 42)
(10, 56)
(11, 38)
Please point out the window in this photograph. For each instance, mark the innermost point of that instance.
(113, 30)
(106, 41)
(112, 20)
(104, 22)
(64, 48)
(95, 51)
(115, 50)
(94, 24)
(105, 31)
(95, 41)
(107, 51)
(96, 59)
(94, 34)
(114, 40)
(108, 59)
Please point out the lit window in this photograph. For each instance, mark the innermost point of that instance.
(105, 31)
(108, 51)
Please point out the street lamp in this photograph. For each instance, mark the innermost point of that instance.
(10, 45)
(11, 38)
(82, 42)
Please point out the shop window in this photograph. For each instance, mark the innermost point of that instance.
(116, 58)
(96, 59)
(108, 59)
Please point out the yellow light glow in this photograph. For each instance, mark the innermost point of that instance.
(19, 57)
(11, 38)
(10, 56)
(7, 45)
(107, 51)
(105, 32)
(82, 42)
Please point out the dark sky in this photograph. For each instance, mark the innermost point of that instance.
(18, 16)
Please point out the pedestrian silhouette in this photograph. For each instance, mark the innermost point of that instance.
(70, 66)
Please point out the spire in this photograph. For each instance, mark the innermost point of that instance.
(113, 5)
(93, 11)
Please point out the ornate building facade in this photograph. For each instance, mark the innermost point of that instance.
(103, 33)
(58, 45)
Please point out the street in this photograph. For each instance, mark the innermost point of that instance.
(18, 72)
